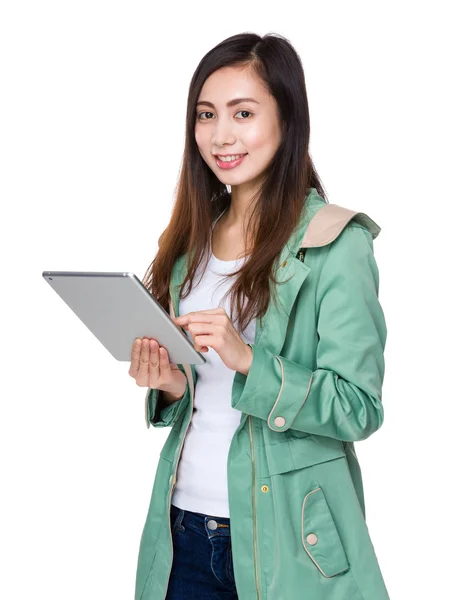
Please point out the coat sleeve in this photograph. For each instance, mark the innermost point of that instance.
(159, 414)
(341, 398)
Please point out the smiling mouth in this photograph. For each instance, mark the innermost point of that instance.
(229, 164)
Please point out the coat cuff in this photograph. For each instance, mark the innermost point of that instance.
(157, 413)
(269, 372)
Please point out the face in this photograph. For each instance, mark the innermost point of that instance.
(247, 127)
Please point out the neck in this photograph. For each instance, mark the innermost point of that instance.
(237, 213)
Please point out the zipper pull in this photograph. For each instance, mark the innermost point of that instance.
(301, 253)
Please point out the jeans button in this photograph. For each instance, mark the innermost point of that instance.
(212, 524)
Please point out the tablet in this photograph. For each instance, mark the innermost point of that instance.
(117, 308)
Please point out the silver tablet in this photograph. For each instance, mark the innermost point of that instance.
(117, 308)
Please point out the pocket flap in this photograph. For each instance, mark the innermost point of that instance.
(320, 536)
(299, 452)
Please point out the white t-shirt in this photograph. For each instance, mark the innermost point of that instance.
(202, 470)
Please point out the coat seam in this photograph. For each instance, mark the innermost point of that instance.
(320, 274)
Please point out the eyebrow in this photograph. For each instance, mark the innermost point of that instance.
(232, 102)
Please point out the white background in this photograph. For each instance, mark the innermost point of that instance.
(93, 98)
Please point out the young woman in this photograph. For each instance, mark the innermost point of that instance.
(258, 493)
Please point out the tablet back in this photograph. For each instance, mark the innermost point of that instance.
(117, 308)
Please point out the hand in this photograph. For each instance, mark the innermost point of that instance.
(215, 329)
(150, 367)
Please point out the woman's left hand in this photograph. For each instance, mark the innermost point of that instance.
(214, 328)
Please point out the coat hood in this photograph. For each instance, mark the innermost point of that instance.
(322, 222)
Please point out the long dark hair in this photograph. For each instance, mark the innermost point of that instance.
(201, 196)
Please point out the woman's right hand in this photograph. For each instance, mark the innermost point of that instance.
(150, 367)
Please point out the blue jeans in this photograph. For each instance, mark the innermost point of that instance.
(202, 567)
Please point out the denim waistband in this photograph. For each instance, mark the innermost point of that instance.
(208, 524)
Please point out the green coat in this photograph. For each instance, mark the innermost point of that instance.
(296, 498)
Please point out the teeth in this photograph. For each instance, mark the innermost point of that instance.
(230, 158)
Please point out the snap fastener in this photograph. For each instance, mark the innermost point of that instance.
(311, 539)
(264, 488)
(284, 263)
(212, 524)
(279, 421)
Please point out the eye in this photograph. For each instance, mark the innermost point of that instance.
(244, 111)
(205, 112)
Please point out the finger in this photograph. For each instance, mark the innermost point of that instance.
(206, 331)
(203, 329)
(154, 370)
(164, 364)
(135, 357)
(195, 315)
(202, 336)
(154, 356)
(211, 311)
(199, 343)
(200, 348)
(142, 374)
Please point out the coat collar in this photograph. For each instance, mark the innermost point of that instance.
(319, 225)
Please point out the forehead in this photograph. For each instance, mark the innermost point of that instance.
(232, 82)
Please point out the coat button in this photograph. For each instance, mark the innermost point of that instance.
(311, 539)
(264, 488)
(284, 263)
(279, 421)
(212, 524)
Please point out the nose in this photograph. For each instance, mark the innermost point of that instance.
(223, 134)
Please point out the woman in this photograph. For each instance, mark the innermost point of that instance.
(264, 430)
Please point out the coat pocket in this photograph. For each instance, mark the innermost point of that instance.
(297, 453)
(320, 536)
